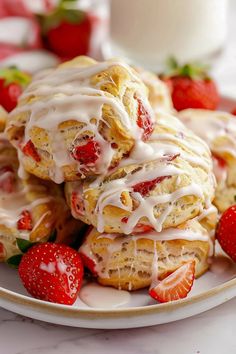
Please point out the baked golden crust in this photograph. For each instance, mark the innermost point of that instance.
(158, 92)
(218, 129)
(30, 209)
(133, 262)
(170, 186)
(81, 117)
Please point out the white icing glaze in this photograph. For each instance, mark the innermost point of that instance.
(66, 94)
(97, 296)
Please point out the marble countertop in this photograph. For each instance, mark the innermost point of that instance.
(207, 333)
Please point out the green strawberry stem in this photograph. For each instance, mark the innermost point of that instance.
(194, 70)
(12, 74)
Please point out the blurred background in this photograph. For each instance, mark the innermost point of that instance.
(39, 34)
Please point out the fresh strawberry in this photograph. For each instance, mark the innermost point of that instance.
(144, 120)
(176, 286)
(67, 31)
(12, 83)
(52, 272)
(191, 87)
(77, 203)
(30, 150)
(25, 221)
(145, 188)
(88, 153)
(7, 179)
(226, 232)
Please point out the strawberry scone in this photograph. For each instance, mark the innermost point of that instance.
(30, 209)
(218, 130)
(135, 261)
(163, 183)
(80, 119)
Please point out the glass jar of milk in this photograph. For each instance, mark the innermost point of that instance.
(146, 32)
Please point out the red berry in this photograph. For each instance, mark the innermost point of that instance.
(77, 203)
(145, 187)
(9, 95)
(70, 39)
(30, 150)
(25, 221)
(144, 120)
(7, 179)
(176, 286)
(88, 153)
(52, 272)
(226, 232)
(89, 263)
(190, 93)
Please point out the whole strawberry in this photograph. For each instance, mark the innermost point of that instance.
(226, 232)
(67, 31)
(52, 272)
(191, 86)
(12, 83)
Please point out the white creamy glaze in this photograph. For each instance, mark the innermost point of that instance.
(97, 296)
(161, 147)
(66, 94)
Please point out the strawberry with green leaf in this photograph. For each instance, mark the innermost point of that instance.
(190, 86)
(67, 30)
(12, 83)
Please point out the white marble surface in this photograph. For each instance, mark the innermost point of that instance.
(208, 333)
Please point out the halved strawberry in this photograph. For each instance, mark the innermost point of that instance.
(145, 187)
(144, 120)
(77, 203)
(88, 153)
(226, 232)
(30, 150)
(176, 286)
(2, 251)
(25, 221)
(7, 179)
(52, 272)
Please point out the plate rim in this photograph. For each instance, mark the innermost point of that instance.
(11, 297)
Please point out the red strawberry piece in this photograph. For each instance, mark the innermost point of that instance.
(25, 221)
(226, 232)
(234, 112)
(88, 153)
(191, 86)
(219, 160)
(77, 203)
(144, 120)
(89, 263)
(9, 95)
(2, 251)
(145, 187)
(52, 272)
(30, 150)
(7, 179)
(175, 286)
(142, 228)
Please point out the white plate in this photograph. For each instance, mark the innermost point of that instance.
(210, 290)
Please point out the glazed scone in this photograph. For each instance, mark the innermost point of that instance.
(135, 261)
(218, 130)
(158, 93)
(80, 119)
(30, 209)
(163, 183)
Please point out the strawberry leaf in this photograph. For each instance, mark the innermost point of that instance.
(14, 261)
(53, 236)
(14, 75)
(195, 71)
(24, 245)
